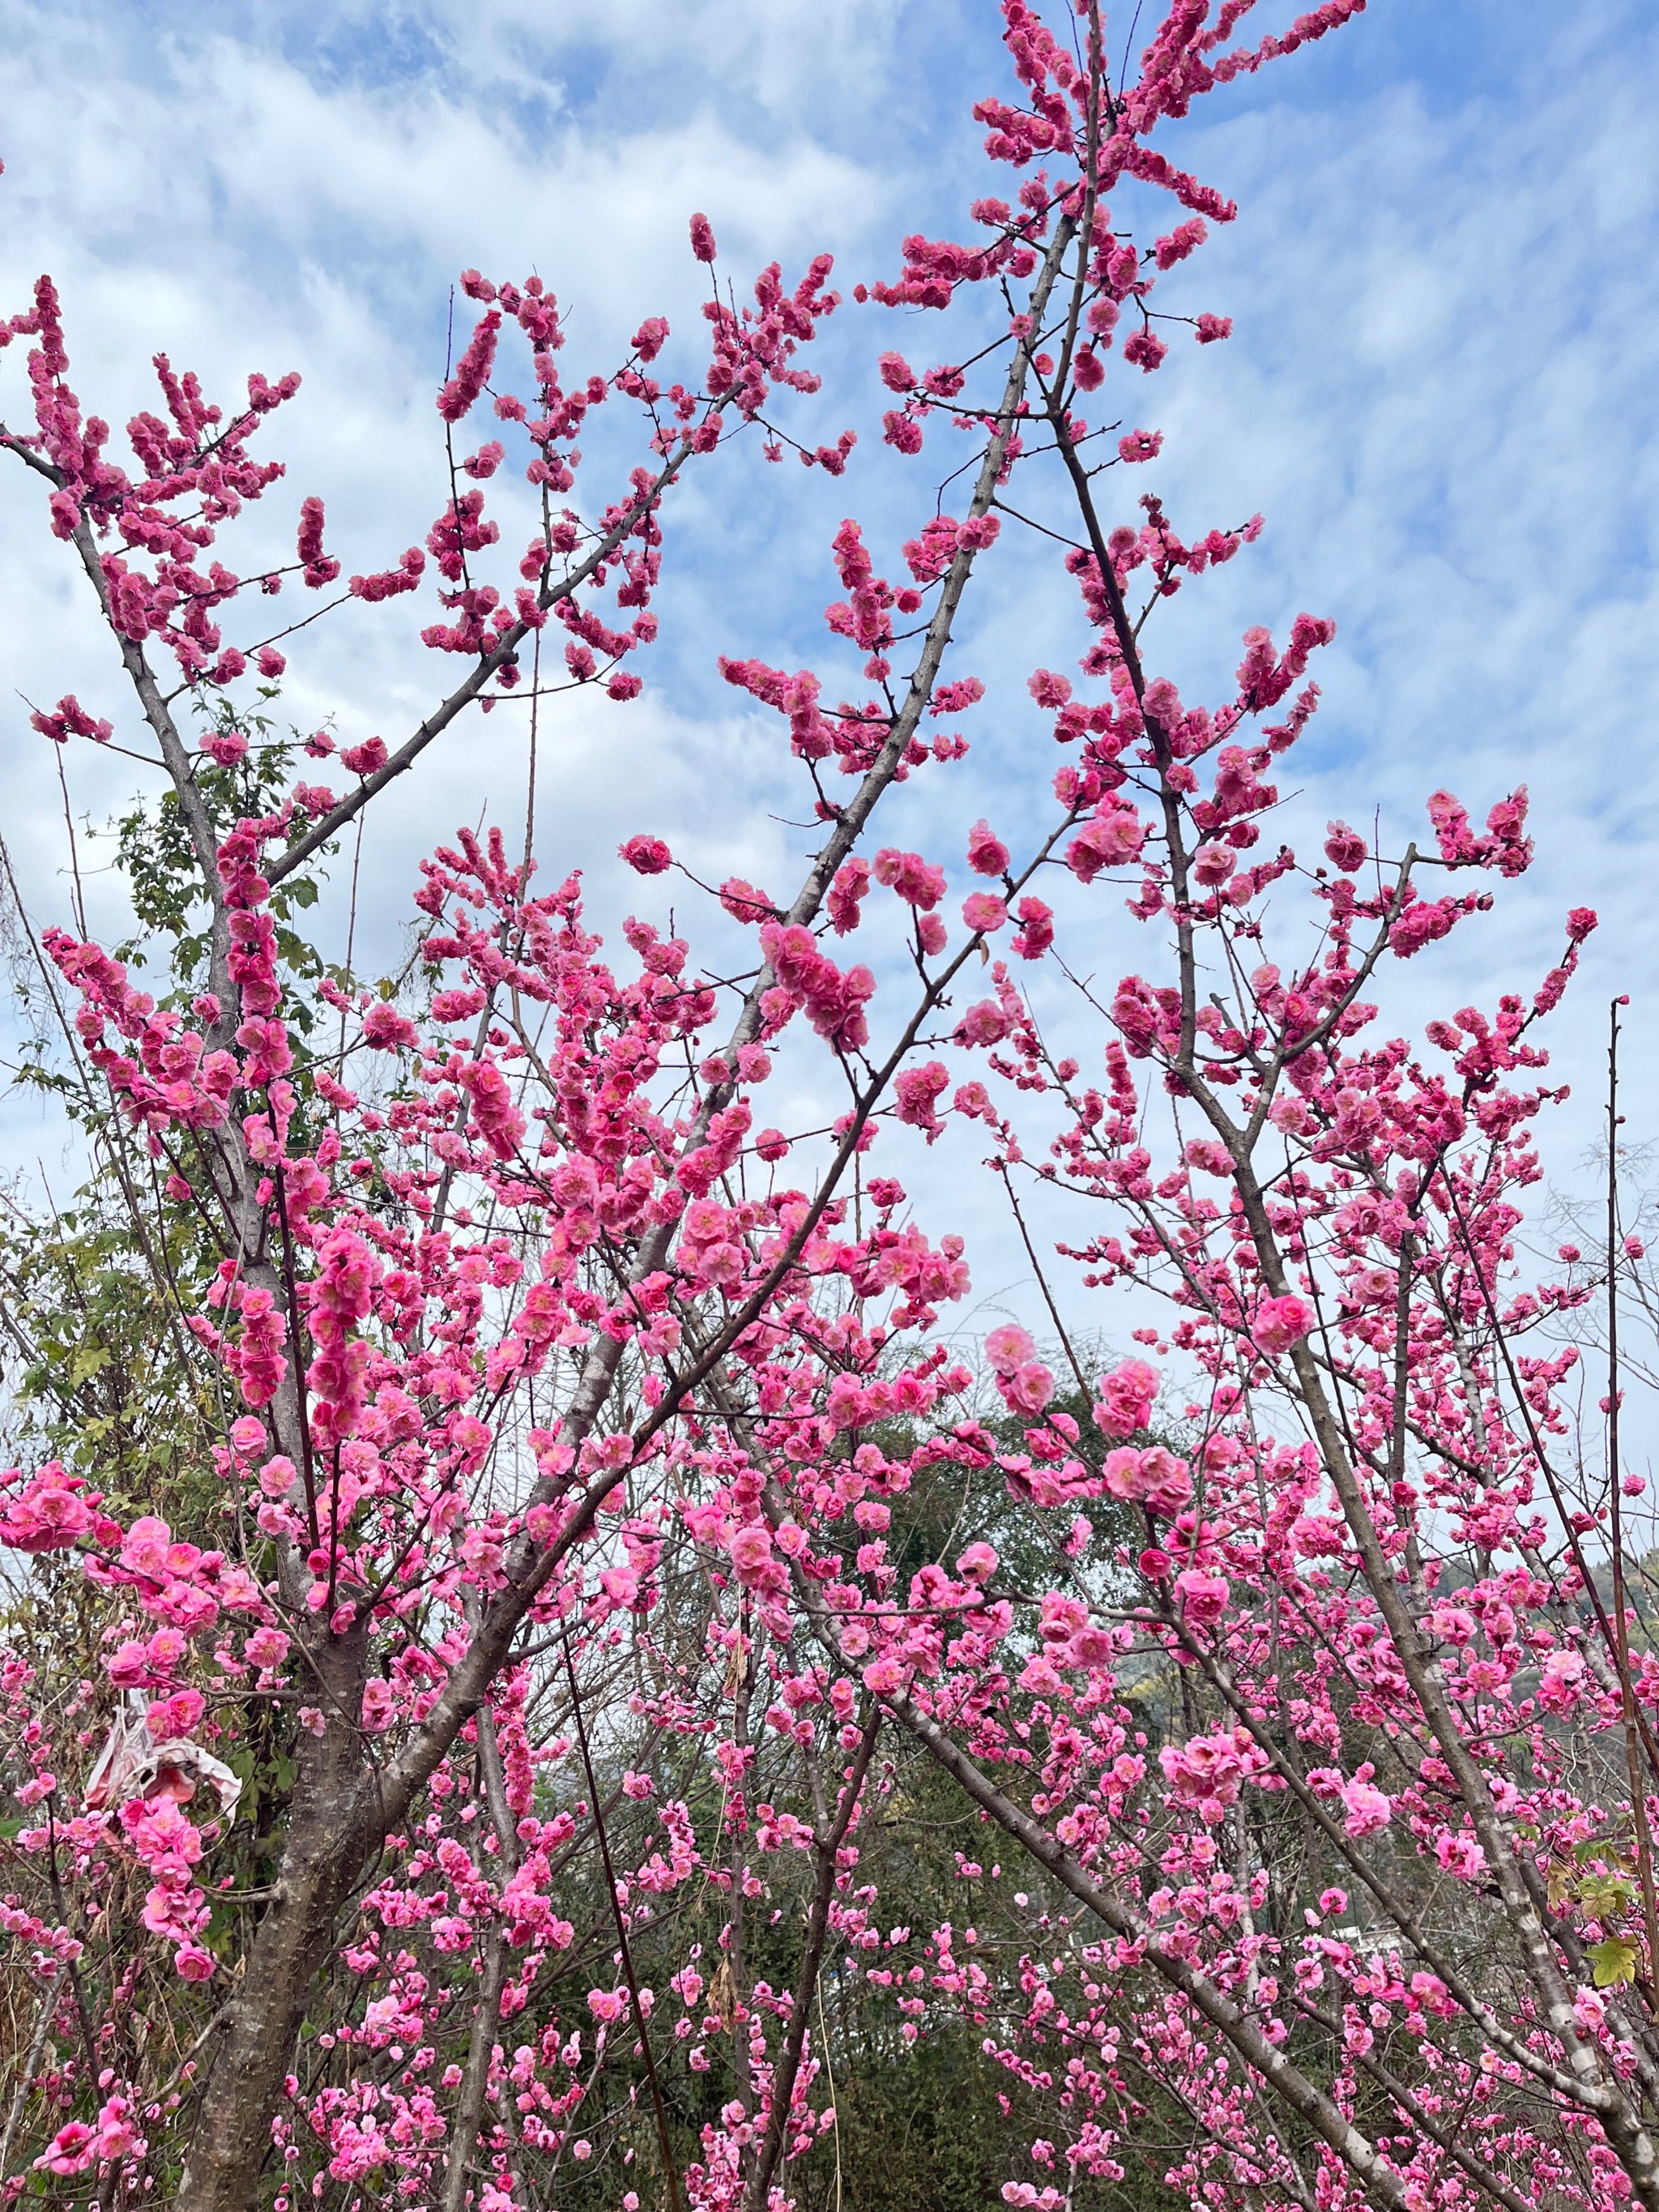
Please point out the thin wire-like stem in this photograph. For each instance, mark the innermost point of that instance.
(1638, 1800)
(671, 2171)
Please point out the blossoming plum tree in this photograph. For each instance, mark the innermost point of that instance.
(576, 1419)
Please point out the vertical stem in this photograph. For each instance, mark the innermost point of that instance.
(738, 2023)
(475, 2084)
(49, 2001)
(669, 2169)
(351, 932)
(1638, 1801)
(530, 790)
(835, 2094)
(827, 1842)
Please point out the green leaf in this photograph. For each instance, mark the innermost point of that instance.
(1606, 1896)
(87, 1363)
(1614, 1961)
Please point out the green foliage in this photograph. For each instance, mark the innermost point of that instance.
(98, 1369)
(1614, 1961)
(948, 1508)
(936, 2124)
(153, 852)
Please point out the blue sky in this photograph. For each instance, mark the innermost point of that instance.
(1440, 392)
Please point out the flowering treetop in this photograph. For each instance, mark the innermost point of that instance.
(585, 1419)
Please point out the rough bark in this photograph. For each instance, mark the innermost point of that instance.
(232, 2138)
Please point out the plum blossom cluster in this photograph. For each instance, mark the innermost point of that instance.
(603, 1514)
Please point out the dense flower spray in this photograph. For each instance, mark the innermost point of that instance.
(579, 1422)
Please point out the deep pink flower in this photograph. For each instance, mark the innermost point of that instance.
(1282, 1322)
(918, 882)
(646, 856)
(1125, 1404)
(1367, 1810)
(366, 758)
(987, 854)
(387, 1029)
